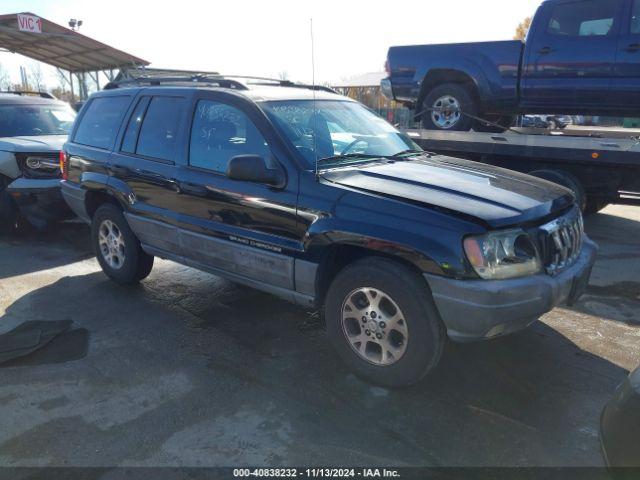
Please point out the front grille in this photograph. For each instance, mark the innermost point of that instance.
(561, 241)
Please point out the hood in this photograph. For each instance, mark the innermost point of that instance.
(36, 143)
(494, 196)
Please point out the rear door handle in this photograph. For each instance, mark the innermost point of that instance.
(193, 189)
(545, 50)
(634, 47)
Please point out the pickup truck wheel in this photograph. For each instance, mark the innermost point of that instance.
(8, 209)
(383, 323)
(567, 180)
(117, 248)
(444, 108)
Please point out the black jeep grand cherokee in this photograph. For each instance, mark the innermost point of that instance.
(403, 248)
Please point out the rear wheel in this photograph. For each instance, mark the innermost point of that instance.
(383, 323)
(117, 248)
(445, 106)
(566, 180)
(8, 208)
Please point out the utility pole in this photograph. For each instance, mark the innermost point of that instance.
(75, 25)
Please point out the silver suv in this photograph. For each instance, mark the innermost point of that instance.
(33, 128)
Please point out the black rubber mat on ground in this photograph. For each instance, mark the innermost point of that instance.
(66, 347)
(30, 337)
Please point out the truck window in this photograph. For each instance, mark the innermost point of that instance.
(583, 19)
(635, 17)
(160, 127)
(220, 132)
(99, 124)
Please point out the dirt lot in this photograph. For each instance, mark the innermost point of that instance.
(188, 369)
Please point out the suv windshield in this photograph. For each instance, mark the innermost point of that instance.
(344, 130)
(29, 120)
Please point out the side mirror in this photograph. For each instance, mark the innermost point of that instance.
(253, 168)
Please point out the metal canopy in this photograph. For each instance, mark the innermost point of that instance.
(63, 48)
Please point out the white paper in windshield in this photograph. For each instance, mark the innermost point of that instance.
(63, 115)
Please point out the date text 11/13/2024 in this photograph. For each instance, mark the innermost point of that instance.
(316, 473)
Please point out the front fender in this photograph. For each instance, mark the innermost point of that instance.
(427, 254)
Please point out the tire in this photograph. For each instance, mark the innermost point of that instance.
(594, 205)
(567, 180)
(134, 264)
(463, 99)
(417, 346)
(504, 122)
(8, 209)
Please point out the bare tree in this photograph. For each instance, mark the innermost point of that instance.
(523, 29)
(5, 79)
(36, 77)
(284, 75)
(63, 80)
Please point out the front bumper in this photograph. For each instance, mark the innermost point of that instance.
(39, 200)
(481, 309)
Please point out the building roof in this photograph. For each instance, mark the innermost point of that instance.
(371, 79)
(61, 47)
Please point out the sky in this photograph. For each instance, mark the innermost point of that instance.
(269, 37)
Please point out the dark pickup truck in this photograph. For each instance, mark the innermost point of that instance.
(580, 57)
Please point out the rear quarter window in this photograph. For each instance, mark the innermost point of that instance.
(99, 125)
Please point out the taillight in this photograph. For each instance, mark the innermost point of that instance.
(64, 165)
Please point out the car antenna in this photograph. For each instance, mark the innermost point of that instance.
(313, 90)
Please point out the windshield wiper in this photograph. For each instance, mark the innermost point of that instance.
(409, 153)
(353, 156)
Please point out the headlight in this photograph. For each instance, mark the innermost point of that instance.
(500, 255)
(45, 163)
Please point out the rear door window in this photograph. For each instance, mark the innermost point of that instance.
(159, 132)
(99, 124)
(583, 19)
(130, 140)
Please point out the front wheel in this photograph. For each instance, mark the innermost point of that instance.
(594, 205)
(117, 248)
(449, 107)
(383, 323)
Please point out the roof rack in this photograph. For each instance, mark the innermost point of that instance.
(218, 80)
(151, 80)
(29, 93)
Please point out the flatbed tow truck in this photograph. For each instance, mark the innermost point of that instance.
(600, 165)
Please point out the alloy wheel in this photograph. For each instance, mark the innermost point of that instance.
(111, 243)
(374, 326)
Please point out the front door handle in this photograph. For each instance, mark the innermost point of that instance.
(634, 47)
(545, 50)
